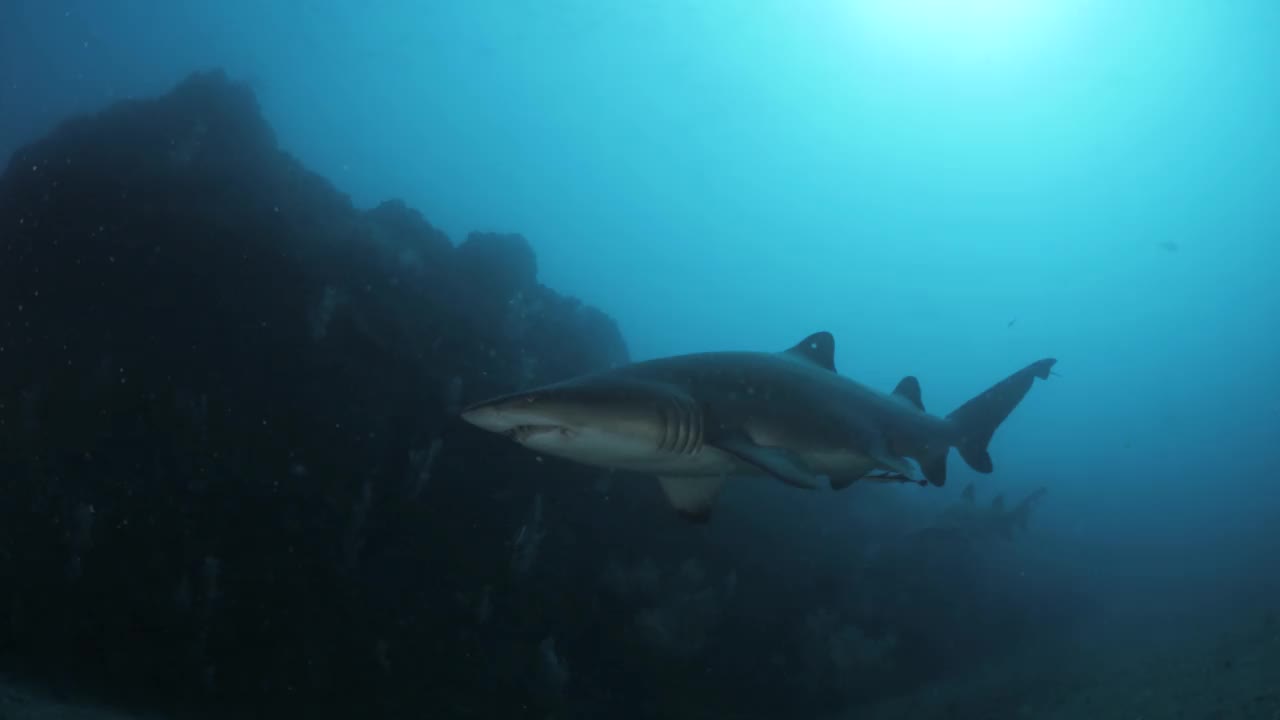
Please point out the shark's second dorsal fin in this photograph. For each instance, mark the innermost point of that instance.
(909, 389)
(819, 349)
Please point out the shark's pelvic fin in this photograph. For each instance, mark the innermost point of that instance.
(897, 464)
(933, 463)
(778, 462)
(887, 458)
(909, 389)
(976, 421)
(692, 497)
(819, 349)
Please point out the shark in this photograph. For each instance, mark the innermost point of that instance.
(694, 420)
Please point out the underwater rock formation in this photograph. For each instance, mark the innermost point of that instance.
(228, 462)
(676, 613)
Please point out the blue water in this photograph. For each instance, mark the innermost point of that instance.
(952, 189)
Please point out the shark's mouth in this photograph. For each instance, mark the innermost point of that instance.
(522, 433)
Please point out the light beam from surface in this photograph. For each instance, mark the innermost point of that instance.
(964, 32)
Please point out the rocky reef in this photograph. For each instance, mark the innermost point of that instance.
(229, 462)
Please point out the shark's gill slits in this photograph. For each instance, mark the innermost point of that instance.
(699, 427)
(671, 412)
(664, 425)
(682, 427)
(693, 417)
(667, 413)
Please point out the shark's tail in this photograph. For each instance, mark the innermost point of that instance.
(976, 421)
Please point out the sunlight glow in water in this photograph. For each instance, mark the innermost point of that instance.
(966, 31)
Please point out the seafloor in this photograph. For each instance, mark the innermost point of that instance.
(1111, 674)
(1182, 670)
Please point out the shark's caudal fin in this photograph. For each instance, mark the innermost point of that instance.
(976, 421)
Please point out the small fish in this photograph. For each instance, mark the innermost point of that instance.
(1168, 246)
(1011, 322)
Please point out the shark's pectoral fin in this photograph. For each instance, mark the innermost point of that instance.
(840, 483)
(778, 462)
(692, 497)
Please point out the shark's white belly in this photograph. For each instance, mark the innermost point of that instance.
(840, 463)
(611, 450)
(709, 461)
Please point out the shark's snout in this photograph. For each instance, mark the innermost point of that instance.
(486, 417)
(604, 424)
(518, 417)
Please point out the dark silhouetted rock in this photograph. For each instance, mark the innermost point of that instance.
(229, 460)
(503, 264)
(406, 230)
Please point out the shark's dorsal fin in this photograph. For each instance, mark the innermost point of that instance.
(909, 389)
(998, 503)
(819, 349)
(967, 495)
